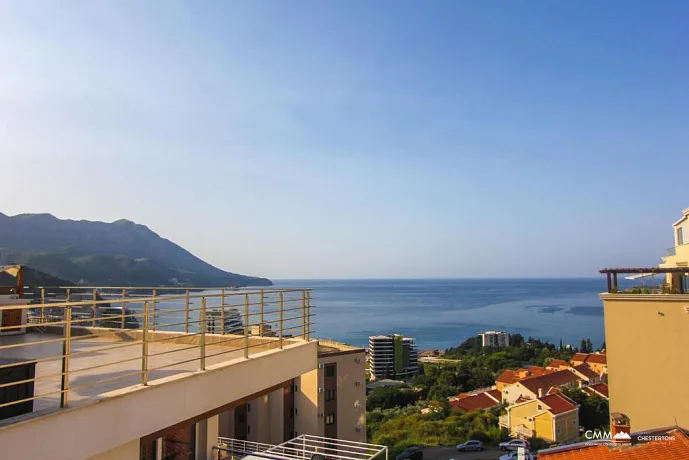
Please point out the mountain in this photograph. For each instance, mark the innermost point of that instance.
(100, 253)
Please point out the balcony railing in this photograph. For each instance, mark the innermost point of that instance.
(523, 432)
(504, 421)
(76, 349)
(303, 447)
(671, 251)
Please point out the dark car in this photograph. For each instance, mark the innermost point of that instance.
(412, 453)
(469, 446)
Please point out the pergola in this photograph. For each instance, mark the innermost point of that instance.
(613, 272)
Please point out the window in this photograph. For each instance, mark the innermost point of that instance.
(680, 236)
(293, 389)
(329, 419)
(293, 412)
(330, 370)
(240, 418)
(574, 423)
(539, 407)
(329, 395)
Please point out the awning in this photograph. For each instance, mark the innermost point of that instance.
(642, 275)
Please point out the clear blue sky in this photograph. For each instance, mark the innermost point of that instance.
(356, 139)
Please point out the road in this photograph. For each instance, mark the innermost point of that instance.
(450, 453)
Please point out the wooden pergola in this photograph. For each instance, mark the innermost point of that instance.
(613, 272)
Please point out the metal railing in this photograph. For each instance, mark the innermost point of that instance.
(671, 251)
(303, 447)
(72, 349)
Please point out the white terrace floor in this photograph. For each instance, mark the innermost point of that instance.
(180, 358)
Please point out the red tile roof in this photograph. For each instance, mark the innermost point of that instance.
(558, 403)
(580, 357)
(513, 375)
(597, 358)
(496, 394)
(477, 401)
(508, 376)
(601, 388)
(554, 379)
(557, 363)
(652, 450)
(586, 371)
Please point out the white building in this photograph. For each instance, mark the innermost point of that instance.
(495, 339)
(392, 356)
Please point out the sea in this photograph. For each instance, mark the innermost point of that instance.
(442, 313)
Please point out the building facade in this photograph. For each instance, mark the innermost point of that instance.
(392, 357)
(650, 327)
(495, 339)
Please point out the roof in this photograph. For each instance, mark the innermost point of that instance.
(554, 379)
(478, 401)
(557, 363)
(597, 358)
(652, 450)
(645, 270)
(495, 394)
(598, 389)
(512, 375)
(558, 403)
(579, 357)
(508, 376)
(586, 371)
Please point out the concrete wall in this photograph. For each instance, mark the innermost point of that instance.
(310, 404)
(276, 407)
(349, 396)
(109, 422)
(128, 451)
(647, 338)
(512, 392)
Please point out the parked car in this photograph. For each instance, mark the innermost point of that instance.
(469, 446)
(411, 453)
(514, 444)
(515, 455)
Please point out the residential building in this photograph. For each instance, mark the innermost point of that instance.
(392, 357)
(531, 387)
(511, 376)
(483, 400)
(598, 362)
(553, 417)
(650, 327)
(597, 389)
(557, 365)
(152, 393)
(586, 374)
(495, 339)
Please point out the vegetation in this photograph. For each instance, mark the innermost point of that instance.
(390, 397)
(593, 410)
(401, 428)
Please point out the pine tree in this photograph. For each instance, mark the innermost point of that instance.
(582, 347)
(589, 346)
(561, 347)
(602, 347)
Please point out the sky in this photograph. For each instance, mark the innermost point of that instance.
(356, 139)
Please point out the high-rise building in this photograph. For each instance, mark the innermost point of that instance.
(648, 326)
(392, 357)
(495, 339)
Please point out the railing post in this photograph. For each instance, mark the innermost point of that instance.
(124, 307)
(153, 312)
(303, 314)
(308, 315)
(282, 305)
(93, 307)
(66, 347)
(202, 327)
(261, 322)
(144, 347)
(246, 326)
(186, 313)
(222, 312)
(42, 305)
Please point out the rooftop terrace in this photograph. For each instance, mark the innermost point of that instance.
(84, 350)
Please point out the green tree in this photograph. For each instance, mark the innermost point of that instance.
(389, 397)
(589, 346)
(561, 347)
(582, 347)
(594, 411)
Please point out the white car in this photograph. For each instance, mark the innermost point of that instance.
(514, 444)
(515, 455)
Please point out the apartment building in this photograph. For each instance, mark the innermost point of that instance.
(552, 417)
(392, 356)
(650, 327)
(90, 392)
(495, 339)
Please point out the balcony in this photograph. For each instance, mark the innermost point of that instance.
(680, 284)
(300, 448)
(83, 344)
(523, 432)
(504, 421)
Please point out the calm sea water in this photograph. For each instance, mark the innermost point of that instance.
(443, 313)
